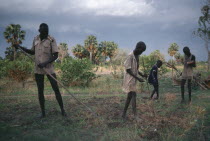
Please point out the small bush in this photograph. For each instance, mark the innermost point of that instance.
(77, 72)
(150, 60)
(3, 67)
(20, 69)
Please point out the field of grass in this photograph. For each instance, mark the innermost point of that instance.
(164, 120)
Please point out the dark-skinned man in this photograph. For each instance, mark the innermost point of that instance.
(131, 65)
(187, 73)
(153, 78)
(45, 49)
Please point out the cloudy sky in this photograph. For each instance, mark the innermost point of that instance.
(156, 22)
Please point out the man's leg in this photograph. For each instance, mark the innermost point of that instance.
(153, 92)
(134, 103)
(57, 93)
(182, 89)
(40, 85)
(157, 90)
(129, 97)
(189, 89)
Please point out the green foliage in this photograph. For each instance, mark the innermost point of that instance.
(97, 53)
(108, 48)
(91, 45)
(77, 72)
(14, 35)
(63, 51)
(80, 52)
(204, 30)
(148, 61)
(9, 53)
(20, 69)
(173, 49)
(3, 67)
(178, 56)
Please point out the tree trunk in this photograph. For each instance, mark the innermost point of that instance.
(23, 84)
(208, 60)
(91, 55)
(172, 73)
(207, 48)
(14, 54)
(172, 68)
(110, 59)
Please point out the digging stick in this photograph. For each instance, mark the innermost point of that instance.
(144, 72)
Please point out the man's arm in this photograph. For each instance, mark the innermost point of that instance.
(181, 60)
(52, 59)
(131, 73)
(192, 60)
(29, 51)
(153, 75)
(143, 75)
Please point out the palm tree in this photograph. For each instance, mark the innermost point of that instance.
(80, 52)
(14, 35)
(102, 47)
(111, 49)
(108, 49)
(91, 45)
(172, 50)
(63, 51)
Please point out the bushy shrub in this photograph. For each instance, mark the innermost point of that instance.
(76, 72)
(3, 67)
(151, 60)
(20, 69)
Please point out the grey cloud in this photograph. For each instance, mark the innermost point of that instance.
(170, 21)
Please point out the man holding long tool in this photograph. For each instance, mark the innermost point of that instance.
(187, 74)
(131, 65)
(45, 49)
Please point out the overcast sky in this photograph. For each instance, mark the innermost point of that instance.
(156, 22)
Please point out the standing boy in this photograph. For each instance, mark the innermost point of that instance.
(131, 65)
(187, 73)
(153, 78)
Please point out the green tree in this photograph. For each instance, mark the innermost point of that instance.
(20, 69)
(3, 67)
(76, 72)
(98, 57)
(108, 49)
(204, 28)
(172, 50)
(91, 44)
(80, 52)
(9, 53)
(14, 35)
(178, 57)
(63, 51)
(146, 62)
